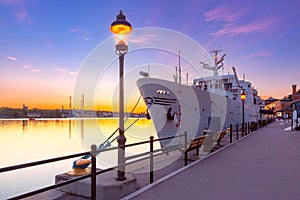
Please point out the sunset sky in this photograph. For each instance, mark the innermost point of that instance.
(43, 44)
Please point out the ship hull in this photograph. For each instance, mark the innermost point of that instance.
(198, 110)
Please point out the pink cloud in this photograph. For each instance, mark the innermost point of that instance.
(75, 30)
(222, 14)
(74, 73)
(233, 30)
(29, 68)
(20, 10)
(10, 2)
(26, 66)
(236, 20)
(81, 34)
(22, 15)
(36, 70)
(146, 38)
(12, 58)
(257, 54)
(64, 71)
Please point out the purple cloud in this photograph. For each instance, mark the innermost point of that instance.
(12, 58)
(26, 66)
(236, 20)
(146, 38)
(81, 34)
(233, 30)
(257, 54)
(64, 71)
(22, 15)
(20, 10)
(75, 30)
(10, 2)
(222, 14)
(29, 68)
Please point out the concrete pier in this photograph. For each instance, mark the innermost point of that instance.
(106, 188)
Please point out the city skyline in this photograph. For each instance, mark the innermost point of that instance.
(45, 43)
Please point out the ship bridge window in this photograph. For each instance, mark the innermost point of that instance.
(214, 86)
(227, 86)
(235, 96)
(200, 84)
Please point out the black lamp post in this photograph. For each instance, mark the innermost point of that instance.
(121, 30)
(243, 98)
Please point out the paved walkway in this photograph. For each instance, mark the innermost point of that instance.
(264, 165)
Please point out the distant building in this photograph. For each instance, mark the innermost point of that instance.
(282, 106)
(83, 113)
(34, 115)
(268, 103)
(295, 94)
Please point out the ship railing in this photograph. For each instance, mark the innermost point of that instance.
(94, 172)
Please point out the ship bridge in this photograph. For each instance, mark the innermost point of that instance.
(225, 82)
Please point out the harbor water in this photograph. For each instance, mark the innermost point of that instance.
(24, 140)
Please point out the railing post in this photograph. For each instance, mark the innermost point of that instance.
(249, 130)
(246, 128)
(230, 133)
(93, 177)
(151, 159)
(260, 123)
(185, 149)
(237, 131)
(243, 129)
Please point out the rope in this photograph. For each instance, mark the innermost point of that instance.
(107, 143)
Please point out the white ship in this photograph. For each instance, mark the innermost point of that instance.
(210, 103)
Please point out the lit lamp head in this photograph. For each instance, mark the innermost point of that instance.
(121, 29)
(243, 95)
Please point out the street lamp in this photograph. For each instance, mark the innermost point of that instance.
(121, 30)
(243, 98)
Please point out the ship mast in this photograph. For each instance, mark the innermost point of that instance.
(218, 63)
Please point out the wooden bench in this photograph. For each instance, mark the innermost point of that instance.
(195, 144)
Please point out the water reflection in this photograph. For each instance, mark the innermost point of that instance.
(70, 130)
(24, 140)
(24, 126)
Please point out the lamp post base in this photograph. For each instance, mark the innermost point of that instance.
(121, 176)
(121, 157)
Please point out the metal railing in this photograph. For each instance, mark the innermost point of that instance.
(94, 172)
(240, 131)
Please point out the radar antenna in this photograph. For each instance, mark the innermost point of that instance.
(218, 62)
